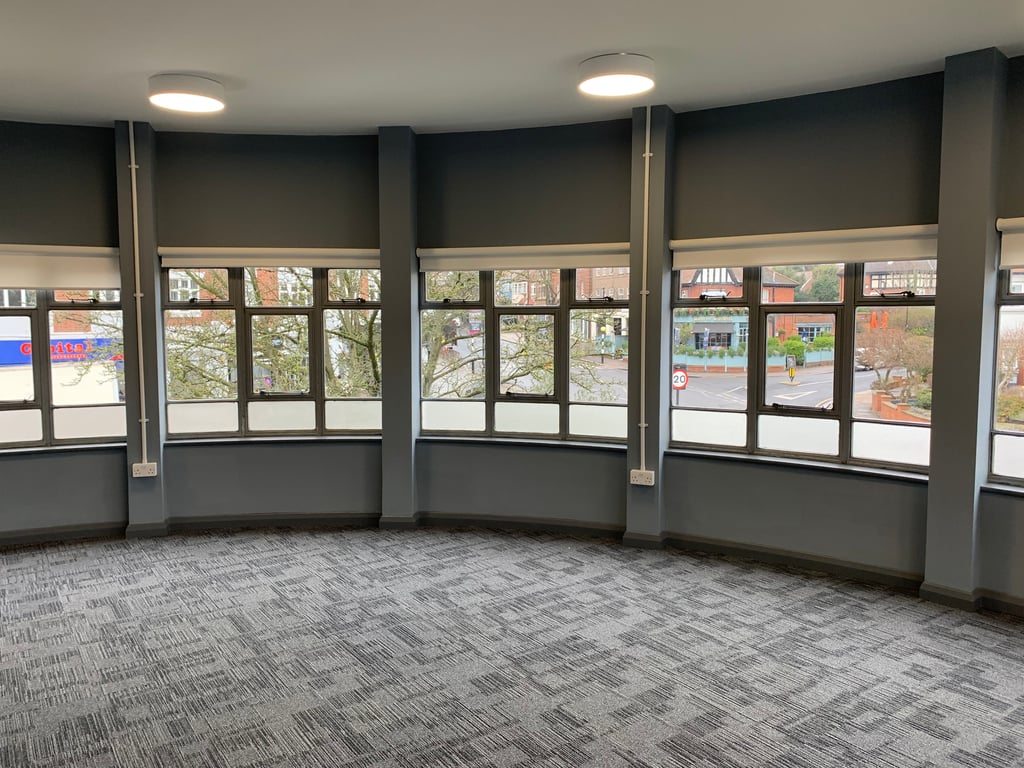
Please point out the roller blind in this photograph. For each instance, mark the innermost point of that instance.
(1011, 251)
(829, 247)
(338, 258)
(59, 266)
(525, 257)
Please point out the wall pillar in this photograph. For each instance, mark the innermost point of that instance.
(146, 509)
(400, 329)
(644, 505)
(972, 123)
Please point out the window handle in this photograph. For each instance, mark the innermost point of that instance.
(710, 296)
(896, 295)
(92, 300)
(356, 300)
(453, 301)
(275, 393)
(600, 298)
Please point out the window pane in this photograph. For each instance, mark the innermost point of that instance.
(711, 283)
(888, 277)
(597, 420)
(454, 416)
(200, 284)
(533, 418)
(802, 283)
(17, 297)
(798, 435)
(800, 359)
(1009, 414)
(891, 442)
(352, 352)
(106, 421)
(278, 286)
(526, 287)
(602, 283)
(452, 286)
(186, 418)
(1017, 281)
(598, 352)
(710, 344)
(352, 284)
(16, 376)
(1008, 455)
(709, 427)
(892, 380)
(289, 415)
(353, 414)
(526, 354)
(21, 426)
(280, 353)
(200, 354)
(452, 353)
(86, 295)
(86, 357)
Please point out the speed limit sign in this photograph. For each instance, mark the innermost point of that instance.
(679, 379)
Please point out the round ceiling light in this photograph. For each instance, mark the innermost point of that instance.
(186, 93)
(617, 74)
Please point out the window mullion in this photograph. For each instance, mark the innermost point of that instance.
(243, 355)
(491, 322)
(43, 374)
(562, 361)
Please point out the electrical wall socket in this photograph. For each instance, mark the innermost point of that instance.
(147, 469)
(641, 477)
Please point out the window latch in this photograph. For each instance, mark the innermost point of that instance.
(709, 295)
(275, 393)
(600, 298)
(453, 301)
(896, 295)
(356, 300)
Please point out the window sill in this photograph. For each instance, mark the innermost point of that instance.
(247, 440)
(528, 442)
(1003, 489)
(27, 450)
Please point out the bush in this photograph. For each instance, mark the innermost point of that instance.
(924, 399)
(1010, 406)
(824, 341)
(774, 346)
(795, 346)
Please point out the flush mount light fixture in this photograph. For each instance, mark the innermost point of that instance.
(616, 74)
(186, 93)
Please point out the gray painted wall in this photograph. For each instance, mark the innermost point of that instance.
(238, 480)
(58, 185)
(535, 186)
(68, 489)
(1011, 198)
(266, 191)
(562, 484)
(862, 157)
(1001, 544)
(856, 519)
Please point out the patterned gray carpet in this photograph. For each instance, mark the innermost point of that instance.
(473, 648)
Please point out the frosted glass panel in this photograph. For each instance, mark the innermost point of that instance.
(353, 414)
(21, 426)
(106, 421)
(597, 420)
(282, 417)
(189, 418)
(798, 435)
(710, 427)
(535, 418)
(1008, 455)
(454, 415)
(891, 442)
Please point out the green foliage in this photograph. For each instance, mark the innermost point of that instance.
(824, 341)
(824, 283)
(795, 346)
(774, 347)
(924, 398)
(1010, 406)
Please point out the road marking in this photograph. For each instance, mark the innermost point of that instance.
(794, 397)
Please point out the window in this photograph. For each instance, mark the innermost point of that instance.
(532, 351)
(263, 350)
(842, 374)
(75, 394)
(1008, 412)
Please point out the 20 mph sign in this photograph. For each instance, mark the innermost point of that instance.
(679, 379)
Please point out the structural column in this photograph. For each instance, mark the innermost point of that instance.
(650, 203)
(400, 329)
(972, 123)
(143, 391)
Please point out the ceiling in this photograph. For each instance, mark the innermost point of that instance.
(349, 66)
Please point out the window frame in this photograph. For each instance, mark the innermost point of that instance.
(493, 312)
(244, 313)
(1004, 298)
(853, 297)
(42, 379)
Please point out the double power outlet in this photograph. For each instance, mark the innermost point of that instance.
(641, 477)
(144, 469)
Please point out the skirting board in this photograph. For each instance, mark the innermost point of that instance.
(331, 520)
(954, 598)
(37, 536)
(907, 582)
(574, 527)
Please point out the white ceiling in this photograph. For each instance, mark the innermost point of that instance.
(349, 66)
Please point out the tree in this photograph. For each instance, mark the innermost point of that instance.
(825, 283)
(900, 358)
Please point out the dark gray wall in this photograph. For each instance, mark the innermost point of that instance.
(862, 157)
(557, 484)
(247, 480)
(853, 519)
(266, 191)
(1011, 199)
(536, 186)
(58, 185)
(53, 491)
(1001, 544)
